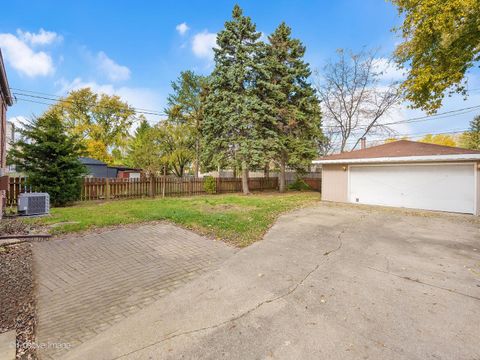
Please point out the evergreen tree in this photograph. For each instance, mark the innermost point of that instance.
(292, 102)
(475, 133)
(49, 158)
(471, 138)
(185, 106)
(233, 130)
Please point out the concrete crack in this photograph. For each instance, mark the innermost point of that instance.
(235, 318)
(424, 283)
(340, 235)
(340, 244)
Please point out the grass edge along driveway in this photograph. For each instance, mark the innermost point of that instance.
(234, 218)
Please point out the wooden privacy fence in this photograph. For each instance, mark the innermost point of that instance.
(104, 188)
(16, 186)
(314, 183)
(116, 188)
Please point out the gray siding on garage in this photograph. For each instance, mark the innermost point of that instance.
(112, 172)
(97, 170)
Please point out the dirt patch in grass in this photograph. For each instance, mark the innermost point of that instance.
(223, 208)
(17, 299)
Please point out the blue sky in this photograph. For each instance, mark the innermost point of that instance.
(136, 48)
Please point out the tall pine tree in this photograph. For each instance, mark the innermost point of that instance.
(471, 138)
(291, 100)
(49, 157)
(233, 130)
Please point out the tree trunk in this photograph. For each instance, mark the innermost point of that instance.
(164, 180)
(151, 190)
(245, 189)
(197, 158)
(266, 171)
(281, 178)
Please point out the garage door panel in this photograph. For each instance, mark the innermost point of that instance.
(431, 187)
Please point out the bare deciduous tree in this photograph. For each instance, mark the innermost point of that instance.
(355, 99)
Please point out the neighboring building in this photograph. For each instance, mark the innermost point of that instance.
(10, 135)
(405, 174)
(97, 168)
(5, 101)
(125, 172)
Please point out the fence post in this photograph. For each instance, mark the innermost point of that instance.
(107, 189)
(152, 186)
(164, 185)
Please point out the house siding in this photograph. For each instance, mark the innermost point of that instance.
(3, 148)
(335, 183)
(3, 134)
(478, 189)
(5, 100)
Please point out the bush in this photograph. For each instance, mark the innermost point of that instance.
(49, 158)
(210, 185)
(299, 185)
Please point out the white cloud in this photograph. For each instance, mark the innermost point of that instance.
(111, 69)
(18, 120)
(43, 37)
(203, 44)
(388, 69)
(182, 28)
(22, 58)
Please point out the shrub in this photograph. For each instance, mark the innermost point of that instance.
(49, 158)
(210, 185)
(299, 185)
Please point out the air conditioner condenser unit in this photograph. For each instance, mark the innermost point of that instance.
(33, 203)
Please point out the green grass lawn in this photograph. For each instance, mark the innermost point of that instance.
(239, 220)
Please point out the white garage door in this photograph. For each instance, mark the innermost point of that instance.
(448, 187)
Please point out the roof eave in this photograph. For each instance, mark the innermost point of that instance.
(400, 159)
(4, 83)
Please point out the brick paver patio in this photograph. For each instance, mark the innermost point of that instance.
(87, 283)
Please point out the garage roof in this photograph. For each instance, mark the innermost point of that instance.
(90, 161)
(402, 151)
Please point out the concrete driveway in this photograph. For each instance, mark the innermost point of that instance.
(330, 282)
